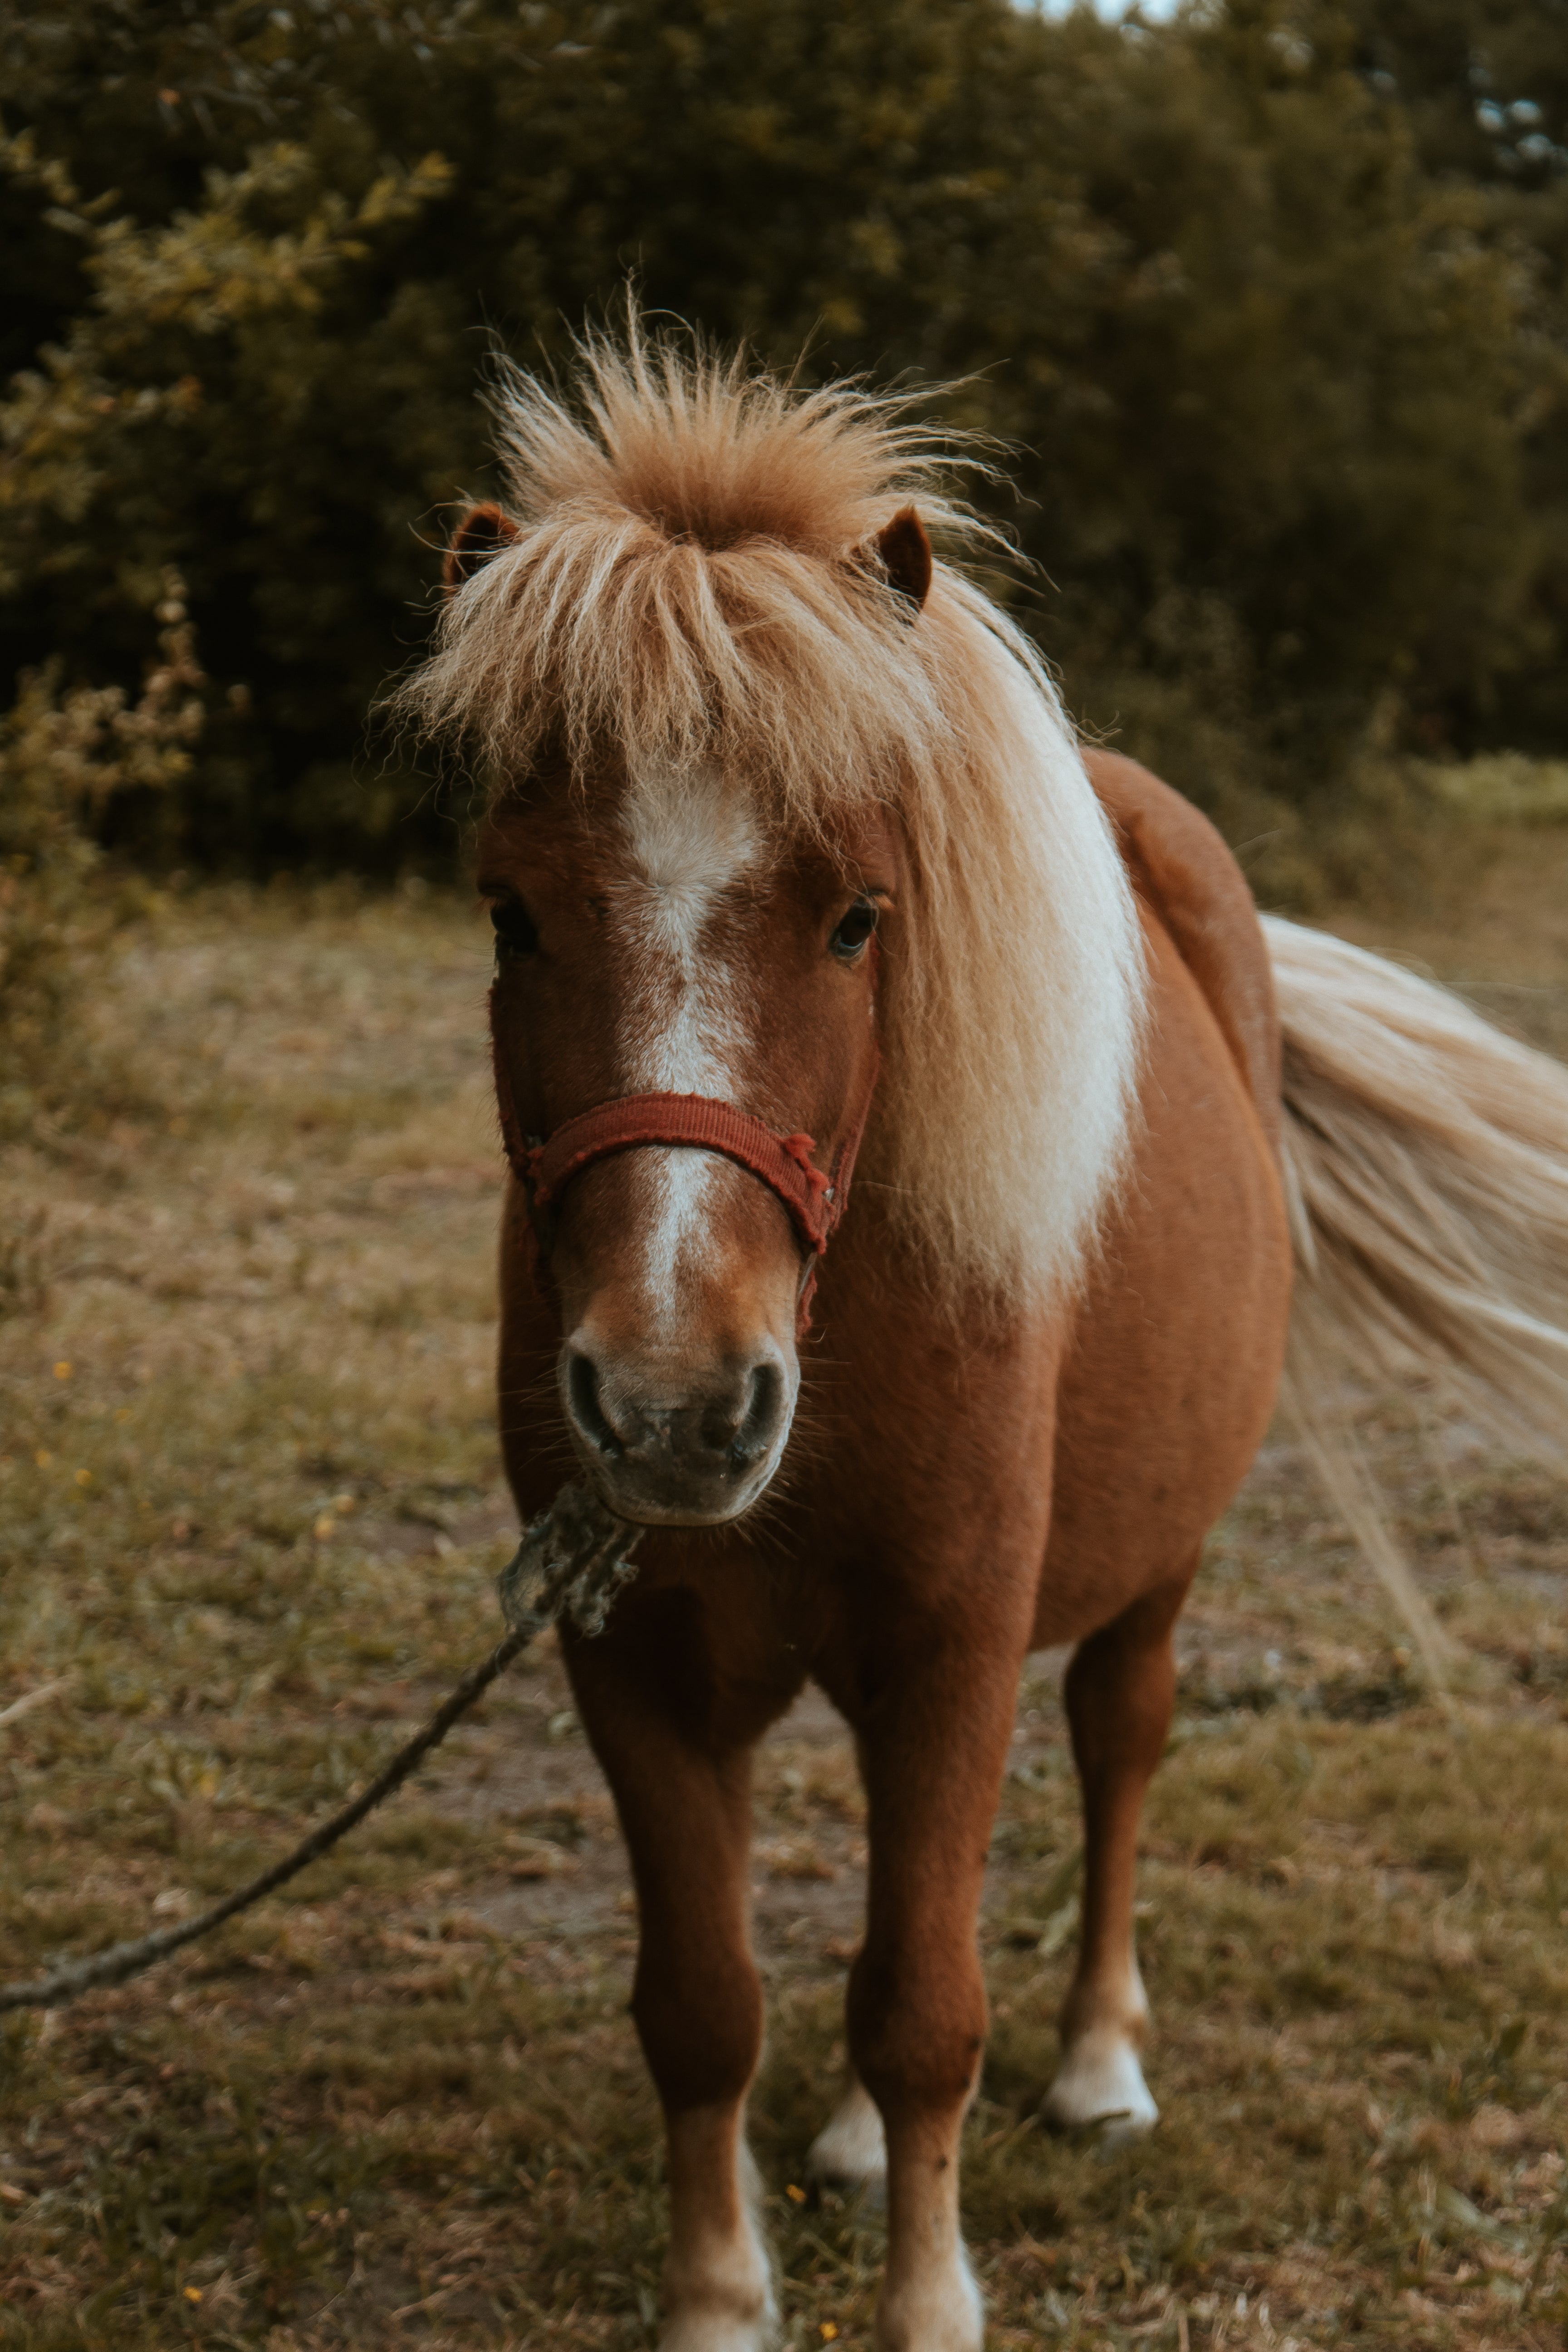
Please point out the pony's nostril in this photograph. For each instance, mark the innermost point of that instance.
(582, 1395)
(763, 1401)
(643, 1430)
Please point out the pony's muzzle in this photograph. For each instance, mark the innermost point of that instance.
(672, 1450)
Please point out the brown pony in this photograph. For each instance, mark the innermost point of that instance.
(790, 838)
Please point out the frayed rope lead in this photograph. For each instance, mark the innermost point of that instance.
(572, 1562)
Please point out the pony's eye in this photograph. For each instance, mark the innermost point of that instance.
(850, 937)
(514, 926)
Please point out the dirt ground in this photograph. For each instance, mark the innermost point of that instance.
(251, 1514)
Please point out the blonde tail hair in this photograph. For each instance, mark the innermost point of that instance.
(1427, 1172)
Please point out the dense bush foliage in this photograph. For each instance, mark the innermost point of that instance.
(1268, 302)
(64, 754)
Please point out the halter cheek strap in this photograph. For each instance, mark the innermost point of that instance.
(545, 1166)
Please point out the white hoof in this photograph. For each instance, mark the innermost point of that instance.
(717, 2280)
(736, 2315)
(1101, 2082)
(851, 2150)
(942, 2315)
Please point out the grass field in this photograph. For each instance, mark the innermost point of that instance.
(250, 1511)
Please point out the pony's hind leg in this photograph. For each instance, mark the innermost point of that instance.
(684, 1800)
(1121, 1688)
(850, 2151)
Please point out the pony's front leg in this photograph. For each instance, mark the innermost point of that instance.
(717, 2283)
(932, 1752)
(697, 1998)
(1120, 1691)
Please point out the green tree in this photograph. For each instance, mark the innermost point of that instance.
(1270, 369)
(1484, 85)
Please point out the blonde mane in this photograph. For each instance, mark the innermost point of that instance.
(685, 585)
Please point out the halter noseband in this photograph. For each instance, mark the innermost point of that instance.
(545, 1166)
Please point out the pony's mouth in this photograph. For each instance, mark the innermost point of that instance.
(657, 1494)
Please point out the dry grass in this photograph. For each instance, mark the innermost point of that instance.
(250, 1506)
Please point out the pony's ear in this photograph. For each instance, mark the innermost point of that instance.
(900, 552)
(483, 531)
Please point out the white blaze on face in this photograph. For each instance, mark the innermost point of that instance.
(688, 840)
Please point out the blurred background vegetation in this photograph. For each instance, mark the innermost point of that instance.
(1268, 299)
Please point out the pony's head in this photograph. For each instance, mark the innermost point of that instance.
(768, 790)
(657, 951)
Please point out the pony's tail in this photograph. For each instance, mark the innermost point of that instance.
(1425, 1159)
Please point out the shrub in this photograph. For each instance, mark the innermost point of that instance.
(1276, 370)
(63, 755)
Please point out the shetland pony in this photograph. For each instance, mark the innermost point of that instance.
(792, 853)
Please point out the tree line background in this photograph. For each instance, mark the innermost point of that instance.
(1268, 302)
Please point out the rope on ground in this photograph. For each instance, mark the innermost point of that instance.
(572, 1562)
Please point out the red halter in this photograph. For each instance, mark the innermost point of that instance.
(815, 1201)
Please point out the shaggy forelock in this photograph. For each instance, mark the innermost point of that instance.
(684, 582)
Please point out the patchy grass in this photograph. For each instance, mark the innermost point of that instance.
(250, 1510)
